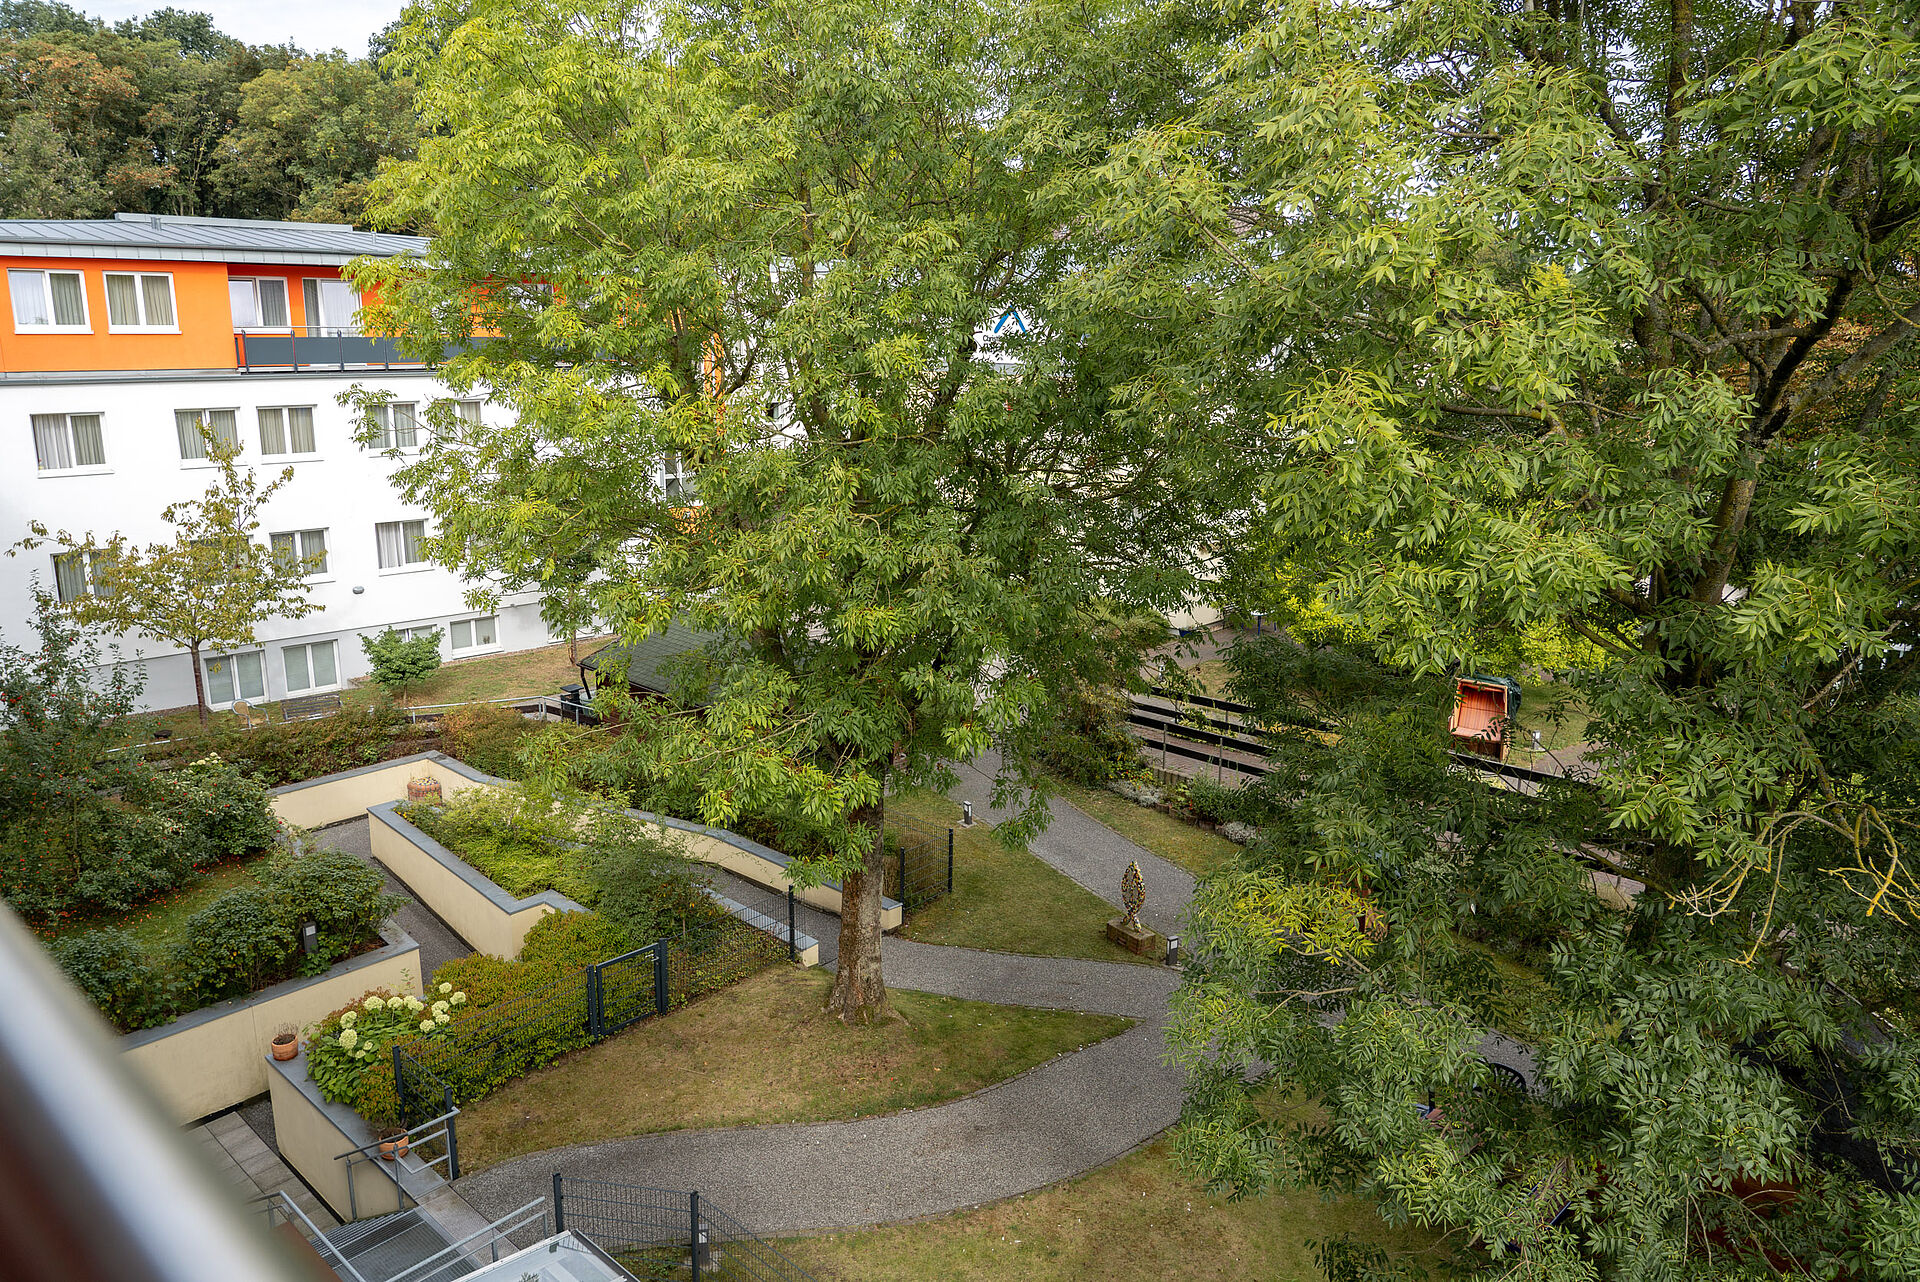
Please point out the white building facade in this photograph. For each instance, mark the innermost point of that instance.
(120, 336)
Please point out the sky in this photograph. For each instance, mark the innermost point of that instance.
(314, 25)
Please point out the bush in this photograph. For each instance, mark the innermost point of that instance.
(486, 737)
(350, 1052)
(642, 885)
(112, 969)
(240, 942)
(292, 751)
(341, 896)
(562, 942)
(1218, 802)
(1086, 740)
(399, 662)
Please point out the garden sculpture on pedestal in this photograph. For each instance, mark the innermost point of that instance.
(1133, 893)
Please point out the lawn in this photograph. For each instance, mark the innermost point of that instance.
(1194, 848)
(1009, 901)
(1552, 709)
(1135, 1218)
(728, 1060)
(157, 924)
(495, 676)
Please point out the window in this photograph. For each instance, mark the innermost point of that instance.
(467, 412)
(297, 546)
(220, 424)
(77, 574)
(138, 301)
(473, 634)
(676, 477)
(65, 442)
(414, 634)
(48, 302)
(399, 430)
(287, 430)
(331, 305)
(399, 543)
(309, 666)
(236, 676)
(258, 304)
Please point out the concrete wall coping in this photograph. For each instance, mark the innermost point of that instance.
(397, 942)
(388, 813)
(439, 758)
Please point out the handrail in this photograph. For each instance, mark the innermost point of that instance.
(366, 1153)
(314, 1235)
(367, 1148)
(536, 1209)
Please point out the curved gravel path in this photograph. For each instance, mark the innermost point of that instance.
(1052, 1122)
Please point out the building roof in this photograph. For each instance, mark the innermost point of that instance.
(170, 236)
(647, 661)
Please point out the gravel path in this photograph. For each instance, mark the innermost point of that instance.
(1087, 850)
(437, 940)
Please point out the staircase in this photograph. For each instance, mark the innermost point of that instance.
(384, 1248)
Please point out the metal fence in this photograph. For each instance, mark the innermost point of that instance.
(665, 1235)
(919, 864)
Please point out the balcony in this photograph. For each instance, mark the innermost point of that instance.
(315, 347)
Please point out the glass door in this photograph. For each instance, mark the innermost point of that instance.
(331, 305)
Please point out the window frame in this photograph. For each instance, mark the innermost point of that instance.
(388, 442)
(260, 326)
(84, 469)
(46, 296)
(325, 573)
(404, 567)
(89, 575)
(232, 656)
(207, 460)
(473, 647)
(286, 430)
(140, 297)
(312, 686)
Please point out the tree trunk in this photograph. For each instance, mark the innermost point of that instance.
(199, 682)
(859, 993)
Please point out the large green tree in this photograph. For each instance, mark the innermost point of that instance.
(762, 243)
(1583, 321)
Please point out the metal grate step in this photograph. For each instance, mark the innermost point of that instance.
(384, 1248)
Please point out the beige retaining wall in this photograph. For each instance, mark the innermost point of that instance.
(710, 849)
(312, 1134)
(491, 922)
(212, 1059)
(336, 798)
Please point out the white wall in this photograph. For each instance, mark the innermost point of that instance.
(342, 488)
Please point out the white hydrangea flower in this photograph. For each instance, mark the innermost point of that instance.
(441, 1017)
(426, 1026)
(415, 1005)
(439, 1008)
(445, 989)
(349, 1039)
(373, 1003)
(349, 1019)
(458, 999)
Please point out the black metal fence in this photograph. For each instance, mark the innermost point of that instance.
(919, 864)
(491, 1047)
(664, 1235)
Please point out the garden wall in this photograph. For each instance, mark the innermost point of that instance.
(211, 1059)
(336, 798)
(311, 1134)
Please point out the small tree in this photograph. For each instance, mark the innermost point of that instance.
(400, 663)
(211, 585)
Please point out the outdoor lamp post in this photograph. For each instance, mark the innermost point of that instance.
(1173, 950)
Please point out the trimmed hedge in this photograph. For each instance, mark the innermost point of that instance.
(289, 752)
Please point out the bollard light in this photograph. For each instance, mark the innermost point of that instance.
(966, 814)
(1173, 950)
(310, 938)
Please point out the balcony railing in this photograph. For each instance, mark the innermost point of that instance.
(316, 347)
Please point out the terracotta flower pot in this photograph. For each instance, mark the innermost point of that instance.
(394, 1148)
(423, 790)
(286, 1046)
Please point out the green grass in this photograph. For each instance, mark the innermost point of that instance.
(159, 924)
(765, 1051)
(1138, 1217)
(1007, 900)
(1555, 711)
(1192, 847)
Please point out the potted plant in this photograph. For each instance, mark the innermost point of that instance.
(423, 788)
(286, 1042)
(393, 1144)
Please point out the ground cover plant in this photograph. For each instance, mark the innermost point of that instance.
(1005, 898)
(722, 1062)
(1194, 847)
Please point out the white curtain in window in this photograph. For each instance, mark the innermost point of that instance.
(483, 630)
(300, 429)
(467, 411)
(313, 549)
(240, 298)
(88, 449)
(186, 425)
(219, 679)
(123, 301)
(156, 292)
(69, 300)
(324, 671)
(399, 542)
(69, 576)
(273, 431)
(29, 298)
(294, 658)
(250, 675)
(51, 445)
(273, 302)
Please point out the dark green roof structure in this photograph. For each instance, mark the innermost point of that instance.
(649, 663)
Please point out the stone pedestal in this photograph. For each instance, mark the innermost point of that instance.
(1136, 939)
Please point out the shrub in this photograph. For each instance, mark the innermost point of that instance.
(486, 737)
(400, 663)
(343, 897)
(1218, 802)
(238, 943)
(292, 751)
(1086, 739)
(642, 885)
(561, 942)
(115, 973)
(350, 1052)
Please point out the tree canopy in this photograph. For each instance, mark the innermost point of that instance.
(1577, 324)
(737, 267)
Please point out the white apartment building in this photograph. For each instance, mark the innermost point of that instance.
(120, 335)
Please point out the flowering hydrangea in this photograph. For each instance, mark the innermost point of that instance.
(348, 1039)
(458, 999)
(347, 1020)
(441, 1017)
(445, 989)
(440, 1008)
(373, 1003)
(426, 1026)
